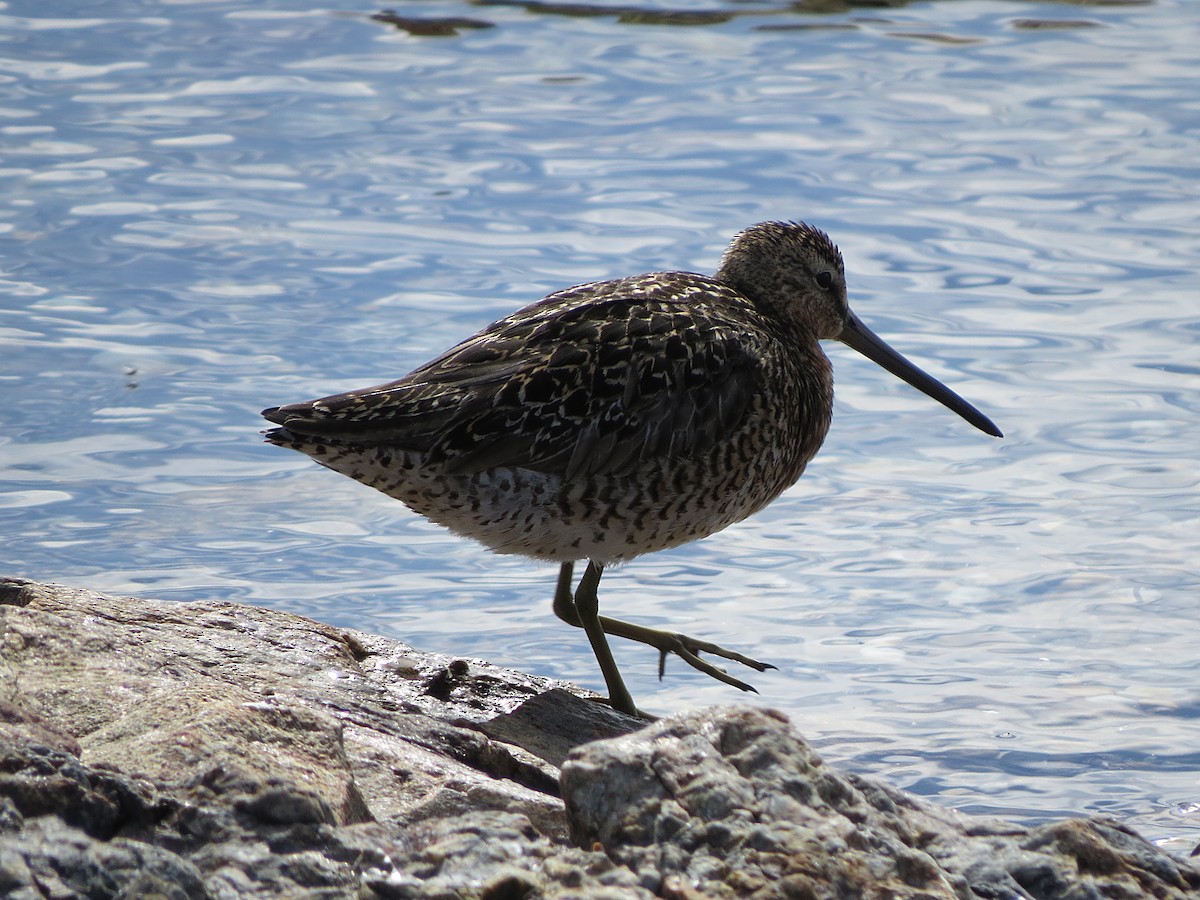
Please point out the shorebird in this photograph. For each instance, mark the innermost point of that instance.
(617, 418)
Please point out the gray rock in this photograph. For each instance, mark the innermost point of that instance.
(50, 858)
(733, 803)
(152, 749)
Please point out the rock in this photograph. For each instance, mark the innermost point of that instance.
(264, 752)
(157, 749)
(733, 803)
(49, 858)
(498, 855)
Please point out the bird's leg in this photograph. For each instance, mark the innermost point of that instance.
(564, 602)
(666, 642)
(587, 614)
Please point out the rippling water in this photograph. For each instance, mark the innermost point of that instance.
(208, 208)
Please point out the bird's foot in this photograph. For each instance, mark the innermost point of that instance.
(686, 648)
(568, 608)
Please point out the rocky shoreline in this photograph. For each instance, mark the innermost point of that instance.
(214, 750)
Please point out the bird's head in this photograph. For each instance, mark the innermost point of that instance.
(790, 271)
(793, 273)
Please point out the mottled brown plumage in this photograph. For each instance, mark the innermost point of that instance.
(616, 418)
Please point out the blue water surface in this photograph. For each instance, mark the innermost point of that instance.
(211, 207)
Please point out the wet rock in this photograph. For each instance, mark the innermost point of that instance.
(264, 753)
(152, 749)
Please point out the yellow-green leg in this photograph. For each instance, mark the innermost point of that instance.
(586, 607)
(569, 609)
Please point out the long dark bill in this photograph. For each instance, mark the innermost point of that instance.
(861, 338)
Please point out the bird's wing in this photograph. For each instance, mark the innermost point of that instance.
(591, 380)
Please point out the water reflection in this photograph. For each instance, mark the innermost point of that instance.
(450, 26)
(430, 27)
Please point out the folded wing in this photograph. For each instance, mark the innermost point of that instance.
(589, 381)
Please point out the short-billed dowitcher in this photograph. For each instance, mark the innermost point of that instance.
(617, 418)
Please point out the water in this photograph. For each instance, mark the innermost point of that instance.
(209, 208)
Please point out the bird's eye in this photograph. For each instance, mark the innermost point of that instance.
(825, 280)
